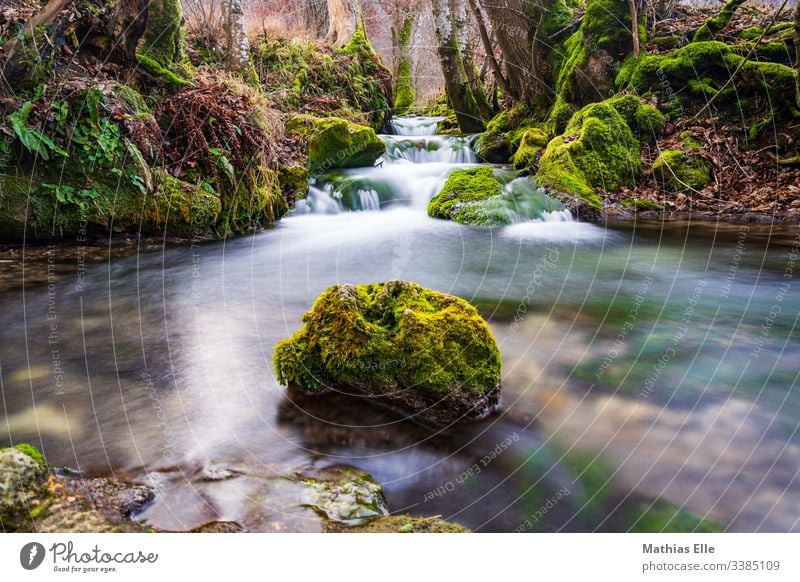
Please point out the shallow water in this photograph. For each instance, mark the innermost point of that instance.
(157, 367)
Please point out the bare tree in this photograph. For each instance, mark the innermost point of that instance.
(237, 55)
(342, 20)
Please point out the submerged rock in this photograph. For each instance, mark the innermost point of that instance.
(343, 494)
(409, 348)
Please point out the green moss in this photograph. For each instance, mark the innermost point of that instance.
(559, 116)
(639, 205)
(527, 154)
(718, 22)
(163, 46)
(681, 173)
(690, 141)
(448, 125)
(670, 41)
(260, 202)
(663, 517)
(337, 143)
(405, 96)
(463, 187)
(649, 122)
(704, 67)
(394, 335)
(130, 98)
(408, 524)
(293, 181)
(596, 150)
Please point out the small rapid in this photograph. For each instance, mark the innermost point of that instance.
(414, 169)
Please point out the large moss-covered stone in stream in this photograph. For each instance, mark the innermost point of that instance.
(679, 172)
(467, 197)
(598, 150)
(336, 143)
(398, 344)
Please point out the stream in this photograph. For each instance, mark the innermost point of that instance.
(642, 360)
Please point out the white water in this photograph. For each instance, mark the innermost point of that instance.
(413, 170)
(415, 125)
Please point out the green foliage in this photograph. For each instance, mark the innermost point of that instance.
(393, 335)
(639, 205)
(679, 172)
(32, 139)
(67, 194)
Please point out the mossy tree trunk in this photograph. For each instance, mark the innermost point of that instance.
(797, 49)
(465, 95)
(163, 47)
(405, 96)
(342, 21)
(716, 24)
(237, 56)
(15, 66)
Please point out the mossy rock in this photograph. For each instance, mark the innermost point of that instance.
(533, 141)
(293, 181)
(342, 494)
(596, 150)
(336, 143)
(503, 134)
(22, 473)
(425, 353)
(493, 148)
(463, 196)
(704, 68)
(407, 524)
(448, 125)
(679, 172)
(640, 205)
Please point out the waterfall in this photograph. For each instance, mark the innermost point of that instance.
(414, 169)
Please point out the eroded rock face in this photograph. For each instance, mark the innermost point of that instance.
(397, 344)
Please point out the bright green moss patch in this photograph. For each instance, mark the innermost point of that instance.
(409, 347)
(336, 143)
(527, 154)
(163, 47)
(462, 188)
(639, 205)
(596, 150)
(678, 172)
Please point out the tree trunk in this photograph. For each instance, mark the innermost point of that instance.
(237, 55)
(315, 17)
(797, 49)
(497, 73)
(42, 18)
(634, 27)
(342, 20)
(457, 82)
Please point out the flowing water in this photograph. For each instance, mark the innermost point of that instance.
(642, 360)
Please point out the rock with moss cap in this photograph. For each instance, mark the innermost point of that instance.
(533, 141)
(464, 196)
(397, 344)
(598, 150)
(336, 143)
(679, 172)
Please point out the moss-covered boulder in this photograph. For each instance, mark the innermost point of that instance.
(598, 150)
(533, 141)
(22, 473)
(679, 172)
(503, 134)
(398, 344)
(465, 196)
(703, 68)
(336, 143)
